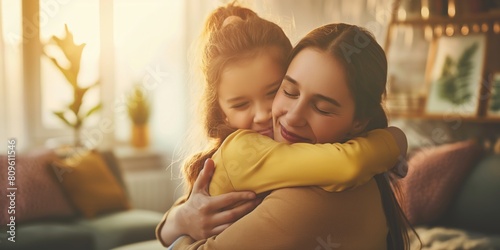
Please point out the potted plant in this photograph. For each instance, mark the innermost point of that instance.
(72, 115)
(139, 112)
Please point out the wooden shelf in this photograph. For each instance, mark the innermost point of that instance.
(480, 18)
(487, 22)
(444, 118)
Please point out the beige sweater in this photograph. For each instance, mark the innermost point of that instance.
(306, 218)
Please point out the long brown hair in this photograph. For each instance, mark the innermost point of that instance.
(365, 65)
(224, 44)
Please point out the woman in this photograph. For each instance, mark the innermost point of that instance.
(332, 91)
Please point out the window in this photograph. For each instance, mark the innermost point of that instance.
(82, 19)
(127, 42)
(11, 105)
(150, 50)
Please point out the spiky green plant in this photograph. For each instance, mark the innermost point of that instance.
(72, 115)
(138, 106)
(454, 83)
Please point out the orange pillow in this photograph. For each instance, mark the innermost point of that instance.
(90, 185)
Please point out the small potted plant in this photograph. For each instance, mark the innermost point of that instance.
(139, 112)
(72, 114)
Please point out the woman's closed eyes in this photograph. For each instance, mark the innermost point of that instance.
(321, 104)
(325, 108)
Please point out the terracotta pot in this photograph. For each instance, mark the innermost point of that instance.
(140, 136)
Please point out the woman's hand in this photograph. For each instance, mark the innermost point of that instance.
(202, 215)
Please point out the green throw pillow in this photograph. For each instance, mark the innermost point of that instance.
(477, 205)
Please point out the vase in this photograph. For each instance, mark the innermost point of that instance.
(140, 136)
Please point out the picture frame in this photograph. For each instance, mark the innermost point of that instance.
(453, 75)
(493, 104)
(407, 58)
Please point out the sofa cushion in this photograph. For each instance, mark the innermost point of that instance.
(145, 245)
(478, 203)
(38, 194)
(90, 185)
(51, 235)
(121, 228)
(434, 176)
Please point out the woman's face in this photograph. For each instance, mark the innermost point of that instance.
(246, 92)
(314, 103)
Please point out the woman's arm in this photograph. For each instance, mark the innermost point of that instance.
(202, 216)
(249, 161)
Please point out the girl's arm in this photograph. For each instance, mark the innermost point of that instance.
(249, 161)
(201, 216)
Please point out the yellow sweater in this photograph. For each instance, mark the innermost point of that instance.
(250, 161)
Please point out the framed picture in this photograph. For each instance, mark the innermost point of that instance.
(454, 73)
(493, 107)
(407, 58)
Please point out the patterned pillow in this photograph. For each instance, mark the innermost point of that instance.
(434, 177)
(38, 195)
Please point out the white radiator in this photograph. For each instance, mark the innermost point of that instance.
(149, 183)
(151, 190)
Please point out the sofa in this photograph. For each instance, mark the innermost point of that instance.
(452, 196)
(50, 211)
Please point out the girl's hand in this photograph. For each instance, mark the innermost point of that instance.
(204, 216)
(401, 168)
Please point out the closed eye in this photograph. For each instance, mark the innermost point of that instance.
(239, 105)
(273, 92)
(289, 94)
(324, 112)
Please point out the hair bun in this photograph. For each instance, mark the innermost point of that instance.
(231, 19)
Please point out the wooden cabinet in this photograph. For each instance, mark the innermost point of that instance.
(442, 58)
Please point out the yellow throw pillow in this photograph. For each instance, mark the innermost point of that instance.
(90, 185)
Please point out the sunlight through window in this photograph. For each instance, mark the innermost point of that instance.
(150, 50)
(82, 18)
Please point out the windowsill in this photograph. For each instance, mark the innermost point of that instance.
(139, 159)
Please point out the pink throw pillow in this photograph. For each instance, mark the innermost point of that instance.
(435, 175)
(38, 195)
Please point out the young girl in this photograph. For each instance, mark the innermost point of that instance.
(244, 64)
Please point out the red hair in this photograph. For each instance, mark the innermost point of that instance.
(244, 37)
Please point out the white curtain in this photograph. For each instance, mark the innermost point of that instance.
(12, 108)
(3, 128)
(3, 104)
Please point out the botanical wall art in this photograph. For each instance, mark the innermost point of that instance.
(493, 109)
(454, 75)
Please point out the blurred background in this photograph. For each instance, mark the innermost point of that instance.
(131, 93)
(136, 81)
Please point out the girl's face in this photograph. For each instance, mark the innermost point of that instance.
(246, 92)
(314, 103)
